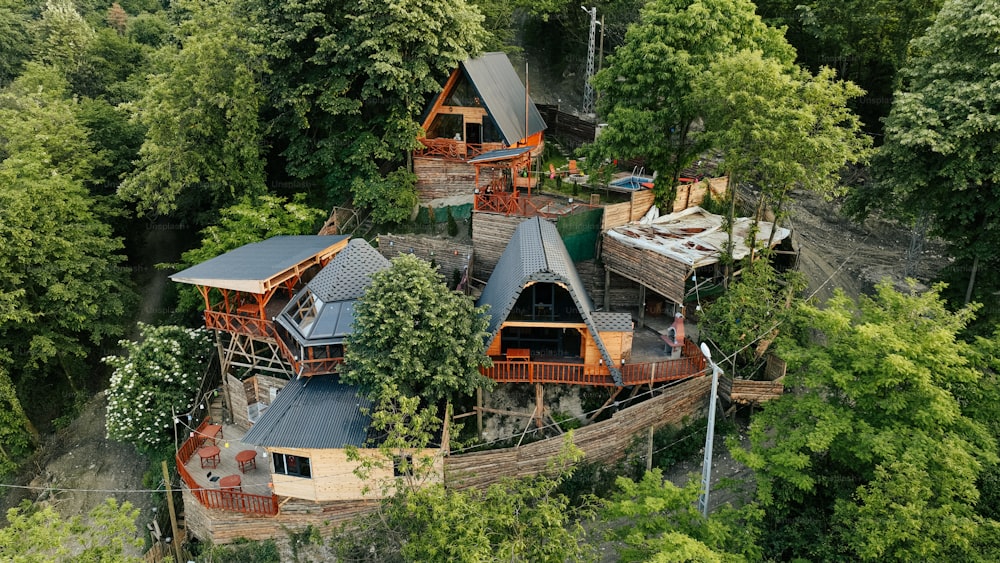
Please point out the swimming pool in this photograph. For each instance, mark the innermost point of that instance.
(632, 183)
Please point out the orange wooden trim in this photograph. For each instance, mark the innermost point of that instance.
(445, 91)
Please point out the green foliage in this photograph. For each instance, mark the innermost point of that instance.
(778, 126)
(939, 159)
(17, 435)
(654, 520)
(242, 551)
(350, 80)
(61, 36)
(252, 219)
(156, 378)
(62, 289)
(201, 110)
(413, 333)
(646, 85)
(872, 458)
(513, 520)
(40, 534)
(748, 317)
(391, 198)
(15, 39)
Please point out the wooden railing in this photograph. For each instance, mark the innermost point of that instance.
(239, 324)
(234, 501)
(307, 367)
(691, 364)
(453, 149)
(498, 202)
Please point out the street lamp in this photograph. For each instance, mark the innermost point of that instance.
(706, 471)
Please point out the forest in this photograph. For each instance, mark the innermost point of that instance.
(231, 121)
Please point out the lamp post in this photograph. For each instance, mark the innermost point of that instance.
(706, 471)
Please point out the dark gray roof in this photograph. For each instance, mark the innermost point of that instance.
(331, 295)
(536, 253)
(348, 275)
(501, 154)
(612, 322)
(316, 412)
(249, 266)
(502, 93)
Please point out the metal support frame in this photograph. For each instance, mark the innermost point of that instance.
(588, 90)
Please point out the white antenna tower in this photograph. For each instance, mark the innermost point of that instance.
(588, 90)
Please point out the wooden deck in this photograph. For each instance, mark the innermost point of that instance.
(254, 495)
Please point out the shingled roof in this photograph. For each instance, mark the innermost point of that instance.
(316, 412)
(536, 253)
(330, 296)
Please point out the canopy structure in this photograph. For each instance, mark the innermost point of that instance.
(263, 266)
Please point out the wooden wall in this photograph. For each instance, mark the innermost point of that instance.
(619, 344)
(690, 195)
(438, 178)
(657, 272)
(601, 442)
(490, 234)
(333, 477)
(242, 393)
(569, 129)
(223, 526)
(447, 254)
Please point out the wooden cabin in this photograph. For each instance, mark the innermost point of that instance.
(482, 113)
(543, 324)
(317, 320)
(306, 432)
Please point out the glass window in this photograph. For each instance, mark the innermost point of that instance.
(286, 464)
(445, 126)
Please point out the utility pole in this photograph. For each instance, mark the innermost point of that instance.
(588, 90)
(706, 471)
(173, 515)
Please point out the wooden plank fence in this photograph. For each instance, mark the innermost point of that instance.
(605, 441)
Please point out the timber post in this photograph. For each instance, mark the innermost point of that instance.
(173, 514)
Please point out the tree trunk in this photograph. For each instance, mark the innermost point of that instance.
(727, 274)
(972, 279)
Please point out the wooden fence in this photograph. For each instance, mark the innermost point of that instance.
(601, 442)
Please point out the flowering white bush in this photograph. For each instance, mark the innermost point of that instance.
(158, 375)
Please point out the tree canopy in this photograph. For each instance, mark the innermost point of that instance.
(872, 457)
(413, 333)
(39, 534)
(645, 89)
(940, 153)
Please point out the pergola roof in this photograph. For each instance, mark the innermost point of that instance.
(313, 413)
(501, 154)
(536, 253)
(261, 266)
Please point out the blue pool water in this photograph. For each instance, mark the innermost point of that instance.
(632, 183)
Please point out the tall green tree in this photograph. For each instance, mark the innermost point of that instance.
(63, 290)
(203, 149)
(18, 435)
(352, 79)
(15, 38)
(413, 333)
(61, 35)
(940, 154)
(646, 87)
(873, 458)
(778, 127)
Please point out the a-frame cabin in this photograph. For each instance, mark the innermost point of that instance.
(481, 131)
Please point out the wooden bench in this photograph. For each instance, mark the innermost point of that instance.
(212, 431)
(518, 354)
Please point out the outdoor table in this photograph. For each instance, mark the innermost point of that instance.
(211, 431)
(230, 483)
(518, 354)
(209, 456)
(246, 459)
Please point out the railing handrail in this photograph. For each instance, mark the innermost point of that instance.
(236, 501)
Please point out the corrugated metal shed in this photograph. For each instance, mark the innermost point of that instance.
(503, 95)
(331, 295)
(316, 412)
(536, 253)
(248, 267)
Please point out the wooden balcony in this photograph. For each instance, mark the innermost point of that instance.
(452, 149)
(690, 364)
(239, 324)
(216, 498)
